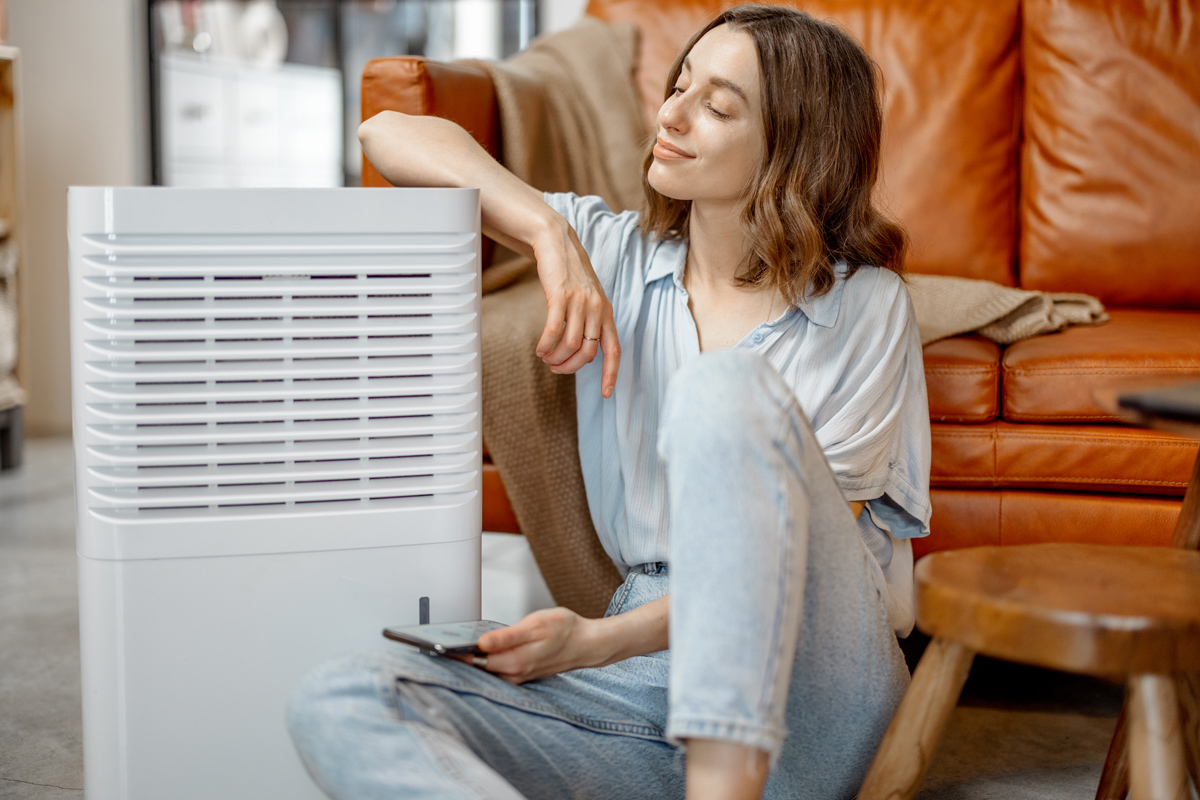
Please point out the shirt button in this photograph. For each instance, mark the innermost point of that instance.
(757, 338)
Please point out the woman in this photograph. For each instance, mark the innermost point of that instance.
(770, 387)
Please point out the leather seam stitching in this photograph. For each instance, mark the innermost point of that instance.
(1000, 481)
(1019, 418)
(1032, 371)
(1185, 444)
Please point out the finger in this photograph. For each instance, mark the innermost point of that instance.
(555, 318)
(508, 638)
(572, 336)
(583, 356)
(611, 347)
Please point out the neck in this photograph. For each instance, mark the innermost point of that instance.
(717, 245)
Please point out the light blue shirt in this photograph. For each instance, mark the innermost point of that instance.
(852, 356)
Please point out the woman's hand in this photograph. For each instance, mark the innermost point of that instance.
(544, 643)
(579, 322)
(556, 640)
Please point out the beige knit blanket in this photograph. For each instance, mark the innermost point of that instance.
(571, 120)
(949, 306)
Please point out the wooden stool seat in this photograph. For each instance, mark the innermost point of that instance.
(1092, 609)
(1122, 612)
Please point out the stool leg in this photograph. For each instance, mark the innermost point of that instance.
(1114, 780)
(913, 736)
(1188, 688)
(1156, 770)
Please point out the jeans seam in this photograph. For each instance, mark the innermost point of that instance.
(578, 720)
(706, 727)
(764, 705)
(622, 596)
(391, 692)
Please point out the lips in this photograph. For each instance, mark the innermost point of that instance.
(666, 150)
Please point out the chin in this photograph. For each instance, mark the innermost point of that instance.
(664, 185)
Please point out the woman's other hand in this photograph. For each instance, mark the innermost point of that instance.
(579, 322)
(545, 642)
(556, 640)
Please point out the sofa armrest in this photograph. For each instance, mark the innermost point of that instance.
(460, 92)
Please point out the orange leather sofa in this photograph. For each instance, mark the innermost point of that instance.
(1048, 144)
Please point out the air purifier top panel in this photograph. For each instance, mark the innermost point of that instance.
(273, 370)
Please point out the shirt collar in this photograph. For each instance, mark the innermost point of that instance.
(824, 310)
(670, 256)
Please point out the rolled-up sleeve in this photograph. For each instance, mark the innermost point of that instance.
(874, 424)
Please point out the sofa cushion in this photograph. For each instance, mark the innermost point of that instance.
(977, 517)
(1053, 378)
(1111, 161)
(951, 113)
(962, 375)
(1106, 458)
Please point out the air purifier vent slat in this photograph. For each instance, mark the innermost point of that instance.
(280, 347)
(281, 491)
(173, 267)
(204, 411)
(189, 305)
(344, 325)
(292, 470)
(281, 388)
(314, 369)
(235, 453)
(309, 286)
(272, 512)
(351, 244)
(249, 432)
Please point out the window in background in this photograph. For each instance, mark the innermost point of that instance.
(266, 92)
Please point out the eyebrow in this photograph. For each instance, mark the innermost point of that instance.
(724, 83)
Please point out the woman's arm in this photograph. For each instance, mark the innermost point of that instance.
(557, 640)
(430, 151)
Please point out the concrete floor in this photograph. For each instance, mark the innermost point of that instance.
(1018, 732)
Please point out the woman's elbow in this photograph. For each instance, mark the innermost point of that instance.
(368, 128)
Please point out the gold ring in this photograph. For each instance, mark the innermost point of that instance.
(591, 338)
(479, 661)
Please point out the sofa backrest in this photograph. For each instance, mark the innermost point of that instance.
(1104, 196)
(1111, 159)
(951, 131)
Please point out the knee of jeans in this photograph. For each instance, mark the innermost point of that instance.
(724, 392)
(330, 697)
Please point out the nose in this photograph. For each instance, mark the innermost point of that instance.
(672, 115)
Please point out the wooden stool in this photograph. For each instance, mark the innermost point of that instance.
(1117, 612)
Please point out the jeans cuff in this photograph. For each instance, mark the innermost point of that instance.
(752, 734)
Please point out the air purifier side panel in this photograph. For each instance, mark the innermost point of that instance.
(188, 661)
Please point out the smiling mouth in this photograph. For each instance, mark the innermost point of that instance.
(666, 150)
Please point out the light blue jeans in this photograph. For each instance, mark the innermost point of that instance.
(779, 639)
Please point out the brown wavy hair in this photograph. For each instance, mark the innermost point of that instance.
(809, 204)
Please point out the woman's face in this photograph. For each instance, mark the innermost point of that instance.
(710, 130)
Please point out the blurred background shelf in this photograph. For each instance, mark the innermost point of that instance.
(12, 396)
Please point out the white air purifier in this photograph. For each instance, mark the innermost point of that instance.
(277, 454)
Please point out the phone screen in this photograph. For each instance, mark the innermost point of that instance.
(450, 638)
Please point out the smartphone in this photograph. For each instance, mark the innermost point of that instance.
(449, 639)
